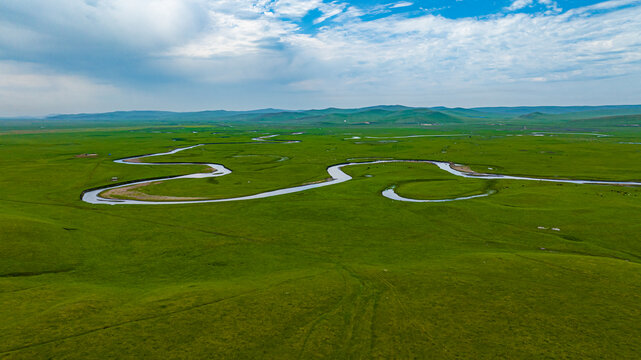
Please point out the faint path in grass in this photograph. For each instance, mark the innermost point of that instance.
(348, 295)
(154, 316)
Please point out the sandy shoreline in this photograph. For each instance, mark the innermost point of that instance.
(132, 193)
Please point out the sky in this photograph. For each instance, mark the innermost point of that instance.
(73, 56)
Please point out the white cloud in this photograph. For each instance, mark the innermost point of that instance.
(258, 45)
(401, 4)
(35, 90)
(231, 35)
(15, 37)
(551, 5)
(256, 29)
(329, 12)
(519, 4)
(398, 54)
(295, 9)
(612, 4)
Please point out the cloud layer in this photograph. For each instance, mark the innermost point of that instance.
(75, 55)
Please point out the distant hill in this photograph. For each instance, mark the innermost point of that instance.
(130, 115)
(534, 115)
(379, 116)
(380, 113)
(557, 110)
(374, 116)
(394, 114)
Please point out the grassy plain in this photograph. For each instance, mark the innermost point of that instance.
(334, 272)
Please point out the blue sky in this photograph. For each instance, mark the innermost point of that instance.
(68, 56)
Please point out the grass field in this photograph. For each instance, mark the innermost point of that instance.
(336, 272)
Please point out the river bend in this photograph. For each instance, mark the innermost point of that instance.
(335, 172)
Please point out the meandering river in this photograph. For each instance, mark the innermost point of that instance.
(335, 171)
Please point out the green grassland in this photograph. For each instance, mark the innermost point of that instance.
(336, 272)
